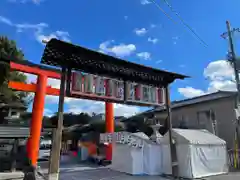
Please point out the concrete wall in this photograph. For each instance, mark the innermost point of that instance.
(224, 112)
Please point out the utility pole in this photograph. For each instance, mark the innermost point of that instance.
(235, 63)
(174, 160)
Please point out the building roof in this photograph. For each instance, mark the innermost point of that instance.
(194, 136)
(13, 132)
(16, 132)
(62, 54)
(15, 105)
(200, 99)
(186, 102)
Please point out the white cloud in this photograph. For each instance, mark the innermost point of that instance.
(153, 25)
(182, 65)
(218, 70)
(99, 107)
(45, 38)
(221, 77)
(175, 39)
(145, 2)
(190, 92)
(37, 30)
(141, 31)
(26, 1)
(37, 1)
(158, 62)
(48, 112)
(6, 21)
(63, 35)
(144, 55)
(153, 40)
(120, 50)
(81, 105)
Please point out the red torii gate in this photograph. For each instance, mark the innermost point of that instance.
(41, 89)
(70, 58)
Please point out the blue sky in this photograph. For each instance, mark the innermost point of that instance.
(135, 30)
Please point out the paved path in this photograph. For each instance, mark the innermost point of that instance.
(230, 176)
(90, 172)
(107, 174)
(104, 174)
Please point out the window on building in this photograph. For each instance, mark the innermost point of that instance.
(183, 122)
(207, 120)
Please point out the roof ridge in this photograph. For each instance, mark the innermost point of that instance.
(198, 99)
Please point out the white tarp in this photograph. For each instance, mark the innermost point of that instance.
(137, 161)
(141, 135)
(127, 159)
(152, 163)
(199, 153)
(152, 156)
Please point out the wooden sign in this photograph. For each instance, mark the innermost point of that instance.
(122, 138)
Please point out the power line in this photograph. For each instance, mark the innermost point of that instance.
(175, 22)
(185, 24)
(164, 12)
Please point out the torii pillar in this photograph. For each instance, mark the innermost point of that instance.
(41, 90)
(109, 116)
(37, 117)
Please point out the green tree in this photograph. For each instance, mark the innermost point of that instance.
(8, 49)
(138, 123)
(70, 119)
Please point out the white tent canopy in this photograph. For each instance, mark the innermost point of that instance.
(137, 161)
(199, 153)
(126, 158)
(140, 135)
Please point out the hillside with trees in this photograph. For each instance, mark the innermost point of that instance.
(9, 50)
